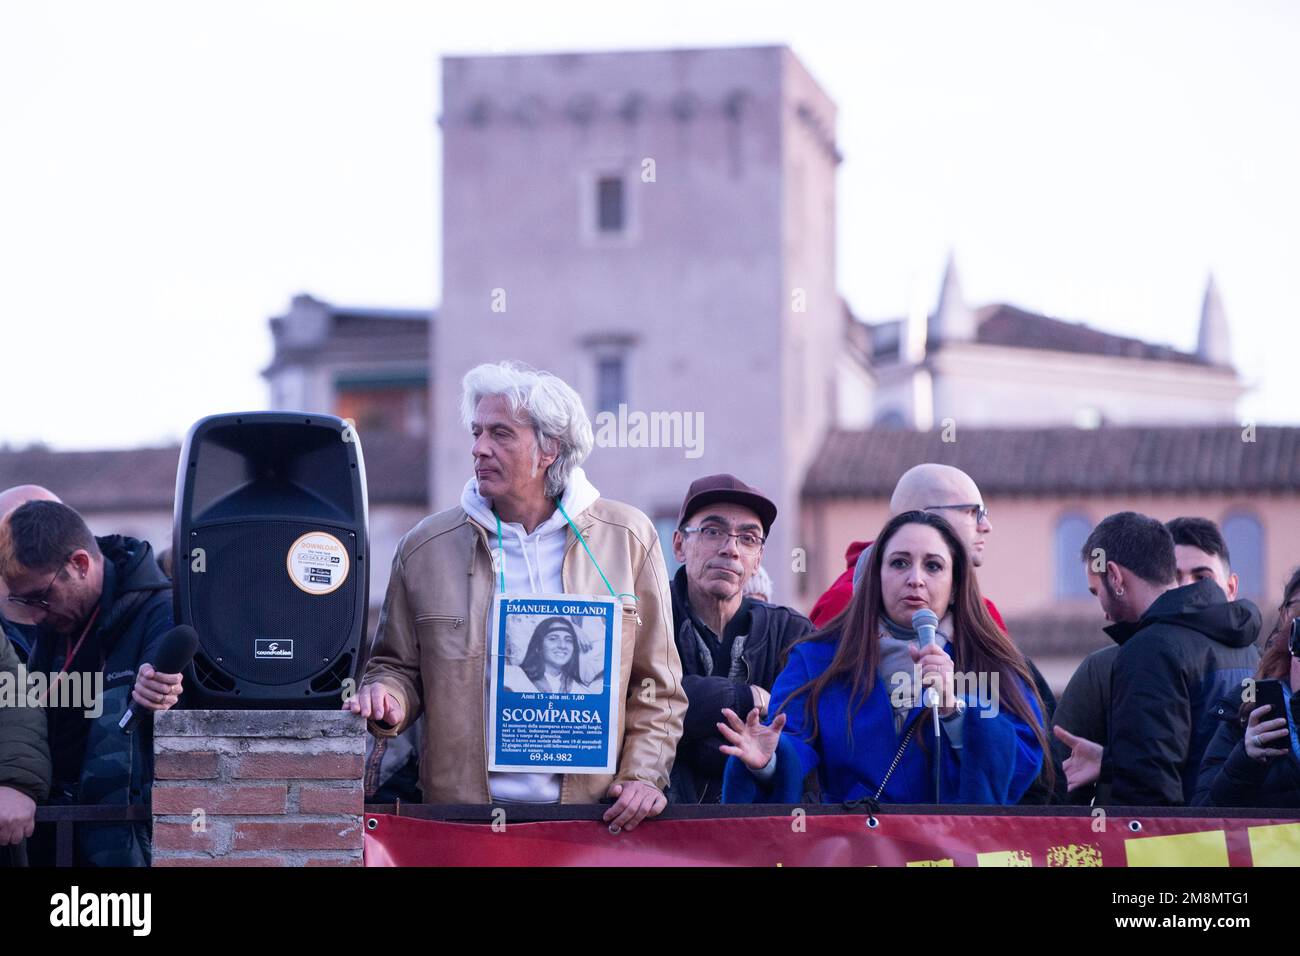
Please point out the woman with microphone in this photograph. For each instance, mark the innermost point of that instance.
(846, 708)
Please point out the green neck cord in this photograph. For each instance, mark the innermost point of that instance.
(501, 553)
(585, 548)
(501, 550)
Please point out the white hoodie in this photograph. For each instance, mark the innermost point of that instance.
(532, 564)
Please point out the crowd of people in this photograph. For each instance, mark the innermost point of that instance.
(903, 685)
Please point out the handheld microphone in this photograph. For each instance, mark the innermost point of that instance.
(175, 652)
(926, 623)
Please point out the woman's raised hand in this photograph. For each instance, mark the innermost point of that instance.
(751, 740)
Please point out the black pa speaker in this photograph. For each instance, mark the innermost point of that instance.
(271, 559)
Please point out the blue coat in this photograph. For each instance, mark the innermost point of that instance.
(1000, 756)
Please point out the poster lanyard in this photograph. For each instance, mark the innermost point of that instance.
(501, 549)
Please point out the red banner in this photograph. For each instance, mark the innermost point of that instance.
(841, 840)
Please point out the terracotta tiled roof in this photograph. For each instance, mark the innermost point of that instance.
(1007, 325)
(145, 478)
(141, 478)
(1059, 460)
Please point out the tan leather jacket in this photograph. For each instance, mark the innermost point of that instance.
(430, 649)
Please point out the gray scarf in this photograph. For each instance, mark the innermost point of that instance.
(898, 670)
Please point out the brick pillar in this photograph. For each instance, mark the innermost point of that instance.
(258, 788)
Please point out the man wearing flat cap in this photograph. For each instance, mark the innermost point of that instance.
(730, 645)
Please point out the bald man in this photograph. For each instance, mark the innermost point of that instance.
(16, 621)
(941, 489)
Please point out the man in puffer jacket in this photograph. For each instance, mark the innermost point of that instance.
(102, 606)
(24, 758)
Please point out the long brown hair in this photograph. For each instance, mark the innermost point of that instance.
(1275, 664)
(979, 645)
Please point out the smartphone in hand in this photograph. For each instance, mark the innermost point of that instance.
(1270, 692)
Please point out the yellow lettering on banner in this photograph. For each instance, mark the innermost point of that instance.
(1275, 845)
(1074, 854)
(1209, 848)
(931, 863)
(1004, 858)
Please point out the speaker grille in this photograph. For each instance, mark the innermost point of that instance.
(245, 596)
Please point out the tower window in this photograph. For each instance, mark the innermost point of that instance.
(610, 213)
(611, 387)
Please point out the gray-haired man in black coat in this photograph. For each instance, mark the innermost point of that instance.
(731, 646)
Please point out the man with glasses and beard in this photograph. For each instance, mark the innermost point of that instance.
(101, 607)
(731, 645)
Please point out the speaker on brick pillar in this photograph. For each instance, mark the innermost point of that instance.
(272, 559)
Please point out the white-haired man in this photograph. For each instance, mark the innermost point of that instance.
(527, 494)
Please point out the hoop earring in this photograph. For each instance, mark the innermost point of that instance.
(1119, 592)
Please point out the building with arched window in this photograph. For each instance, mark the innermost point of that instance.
(1071, 531)
(1243, 533)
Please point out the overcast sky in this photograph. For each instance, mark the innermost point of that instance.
(171, 174)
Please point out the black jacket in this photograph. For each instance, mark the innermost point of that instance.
(1084, 710)
(1230, 778)
(1191, 649)
(1038, 794)
(697, 772)
(117, 769)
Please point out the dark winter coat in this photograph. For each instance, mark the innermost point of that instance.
(1190, 649)
(697, 772)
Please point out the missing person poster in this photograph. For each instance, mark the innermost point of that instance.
(554, 683)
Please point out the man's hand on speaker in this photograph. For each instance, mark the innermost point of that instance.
(157, 692)
(376, 702)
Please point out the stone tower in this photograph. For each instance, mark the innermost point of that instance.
(657, 228)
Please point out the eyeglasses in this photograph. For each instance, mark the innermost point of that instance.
(715, 537)
(39, 603)
(981, 513)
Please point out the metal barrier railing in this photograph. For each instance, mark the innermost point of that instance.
(66, 817)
